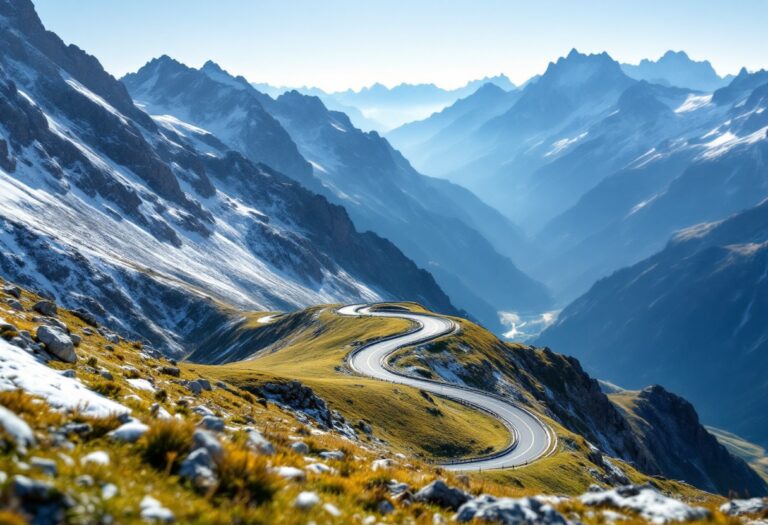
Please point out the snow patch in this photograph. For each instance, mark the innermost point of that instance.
(20, 370)
(694, 102)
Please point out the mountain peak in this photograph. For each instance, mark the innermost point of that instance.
(676, 68)
(215, 72)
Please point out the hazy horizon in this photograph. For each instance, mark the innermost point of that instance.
(350, 45)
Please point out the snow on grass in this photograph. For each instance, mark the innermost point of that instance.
(21, 370)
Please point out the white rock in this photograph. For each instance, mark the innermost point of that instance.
(332, 454)
(382, 464)
(332, 509)
(738, 507)
(142, 384)
(320, 468)
(16, 428)
(98, 457)
(108, 491)
(153, 510)
(509, 510)
(57, 343)
(291, 473)
(648, 502)
(129, 432)
(259, 443)
(306, 500)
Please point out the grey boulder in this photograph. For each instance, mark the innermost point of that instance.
(57, 343)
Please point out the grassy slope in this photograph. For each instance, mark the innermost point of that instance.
(400, 415)
(354, 488)
(315, 355)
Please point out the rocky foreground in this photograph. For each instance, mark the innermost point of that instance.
(97, 429)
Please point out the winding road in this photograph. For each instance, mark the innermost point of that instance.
(533, 438)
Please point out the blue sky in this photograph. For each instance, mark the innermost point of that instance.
(335, 44)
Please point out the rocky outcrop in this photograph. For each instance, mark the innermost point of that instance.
(57, 342)
(657, 432)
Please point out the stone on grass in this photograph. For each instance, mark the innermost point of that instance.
(438, 493)
(153, 511)
(129, 432)
(17, 429)
(319, 468)
(291, 473)
(109, 491)
(198, 467)
(45, 308)
(300, 447)
(509, 511)
(647, 501)
(306, 500)
(380, 464)
(57, 343)
(205, 439)
(212, 423)
(332, 509)
(44, 465)
(98, 457)
(332, 454)
(259, 443)
(12, 290)
(739, 507)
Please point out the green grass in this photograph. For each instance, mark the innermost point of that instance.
(400, 415)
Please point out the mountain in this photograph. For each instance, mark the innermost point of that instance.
(600, 169)
(708, 166)
(439, 225)
(677, 69)
(389, 108)
(449, 126)
(498, 153)
(152, 225)
(690, 317)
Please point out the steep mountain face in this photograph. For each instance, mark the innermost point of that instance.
(256, 133)
(652, 429)
(151, 227)
(677, 69)
(440, 226)
(630, 328)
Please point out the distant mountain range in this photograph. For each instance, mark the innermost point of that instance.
(381, 108)
(581, 158)
(677, 69)
(441, 226)
(691, 317)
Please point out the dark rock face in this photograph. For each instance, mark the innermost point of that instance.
(682, 448)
